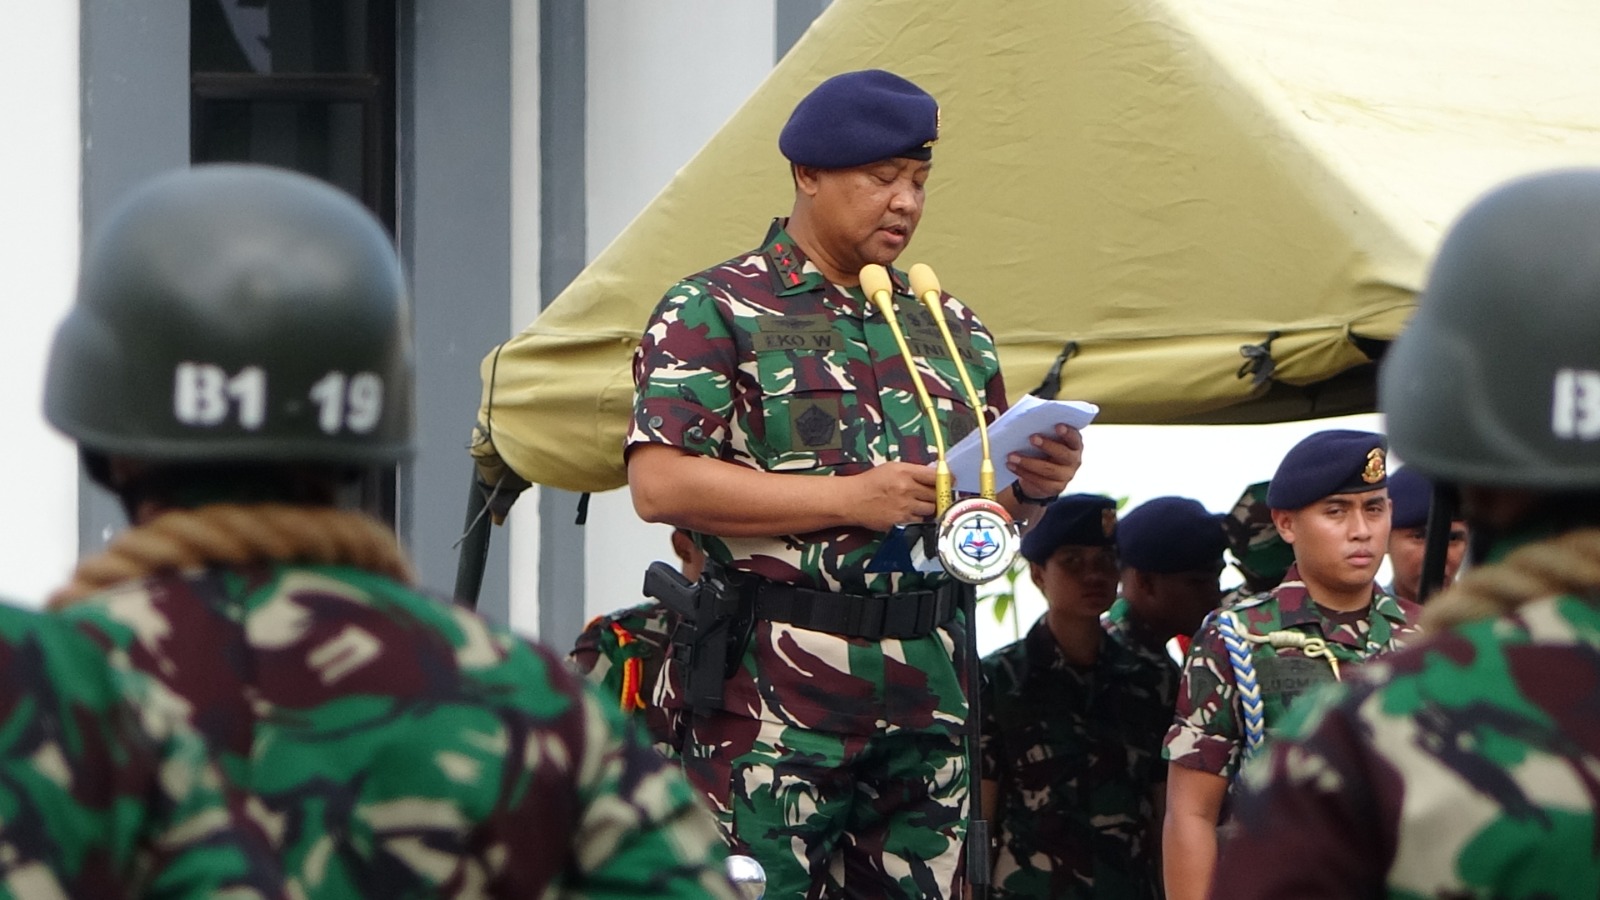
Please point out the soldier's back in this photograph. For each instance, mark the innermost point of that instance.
(1485, 744)
(395, 745)
(98, 801)
(1508, 713)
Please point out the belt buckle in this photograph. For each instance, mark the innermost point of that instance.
(903, 615)
(869, 615)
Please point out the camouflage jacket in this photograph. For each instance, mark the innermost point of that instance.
(622, 654)
(393, 745)
(1118, 622)
(1207, 732)
(761, 362)
(1076, 755)
(1463, 766)
(99, 801)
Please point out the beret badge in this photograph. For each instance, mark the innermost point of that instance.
(1374, 472)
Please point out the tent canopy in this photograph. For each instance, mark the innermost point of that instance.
(1225, 207)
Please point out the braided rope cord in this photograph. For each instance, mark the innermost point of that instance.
(239, 535)
(1305, 643)
(1251, 710)
(1566, 564)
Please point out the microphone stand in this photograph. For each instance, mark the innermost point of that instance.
(978, 867)
(1441, 515)
(926, 286)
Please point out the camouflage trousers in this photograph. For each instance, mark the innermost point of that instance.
(834, 815)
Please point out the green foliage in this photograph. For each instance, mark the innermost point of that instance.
(1003, 591)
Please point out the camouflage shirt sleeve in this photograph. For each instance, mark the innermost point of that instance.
(684, 372)
(1206, 733)
(1318, 773)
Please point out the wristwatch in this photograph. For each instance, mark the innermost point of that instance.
(1016, 491)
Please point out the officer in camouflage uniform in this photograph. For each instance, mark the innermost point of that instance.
(98, 801)
(1170, 549)
(623, 653)
(1248, 663)
(1465, 765)
(776, 419)
(239, 353)
(1072, 727)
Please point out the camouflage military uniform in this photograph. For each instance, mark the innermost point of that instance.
(97, 801)
(761, 362)
(396, 746)
(1118, 623)
(1208, 733)
(622, 654)
(1076, 753)
(1461, 767)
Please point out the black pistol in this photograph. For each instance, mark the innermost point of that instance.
(701, 639)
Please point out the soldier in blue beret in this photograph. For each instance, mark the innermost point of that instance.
(775, 420)
(1171, 552)
(1073, 719)
(1409, 493)
(1330, 503)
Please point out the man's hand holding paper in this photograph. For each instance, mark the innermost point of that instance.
(1038, 442)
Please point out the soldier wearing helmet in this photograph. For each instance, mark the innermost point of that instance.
(238, 355)
(1465, 765)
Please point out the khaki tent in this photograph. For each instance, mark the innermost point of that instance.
(1224, 207)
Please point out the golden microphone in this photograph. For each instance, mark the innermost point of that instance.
(978, 540)
(879, 289)
(925, 285)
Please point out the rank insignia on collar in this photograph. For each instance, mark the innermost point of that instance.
(1374, 472)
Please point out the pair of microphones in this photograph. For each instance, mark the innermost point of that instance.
(977, 538)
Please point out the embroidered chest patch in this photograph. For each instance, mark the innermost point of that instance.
(815, 421)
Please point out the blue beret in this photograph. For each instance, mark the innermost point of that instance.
(1082, 520)
(859, 118)
(1171, 534)
(1410, 492)
(1327, 463)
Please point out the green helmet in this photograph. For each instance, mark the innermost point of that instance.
(1260, 554)
(237, 314)
(1496, 379)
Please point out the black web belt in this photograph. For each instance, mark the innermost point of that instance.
(910, 614)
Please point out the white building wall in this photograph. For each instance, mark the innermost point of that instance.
(662, 78)
(39, 244)
(522, 528)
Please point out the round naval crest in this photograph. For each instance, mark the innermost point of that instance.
(977, 540)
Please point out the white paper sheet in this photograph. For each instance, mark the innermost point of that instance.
(1010, 433)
